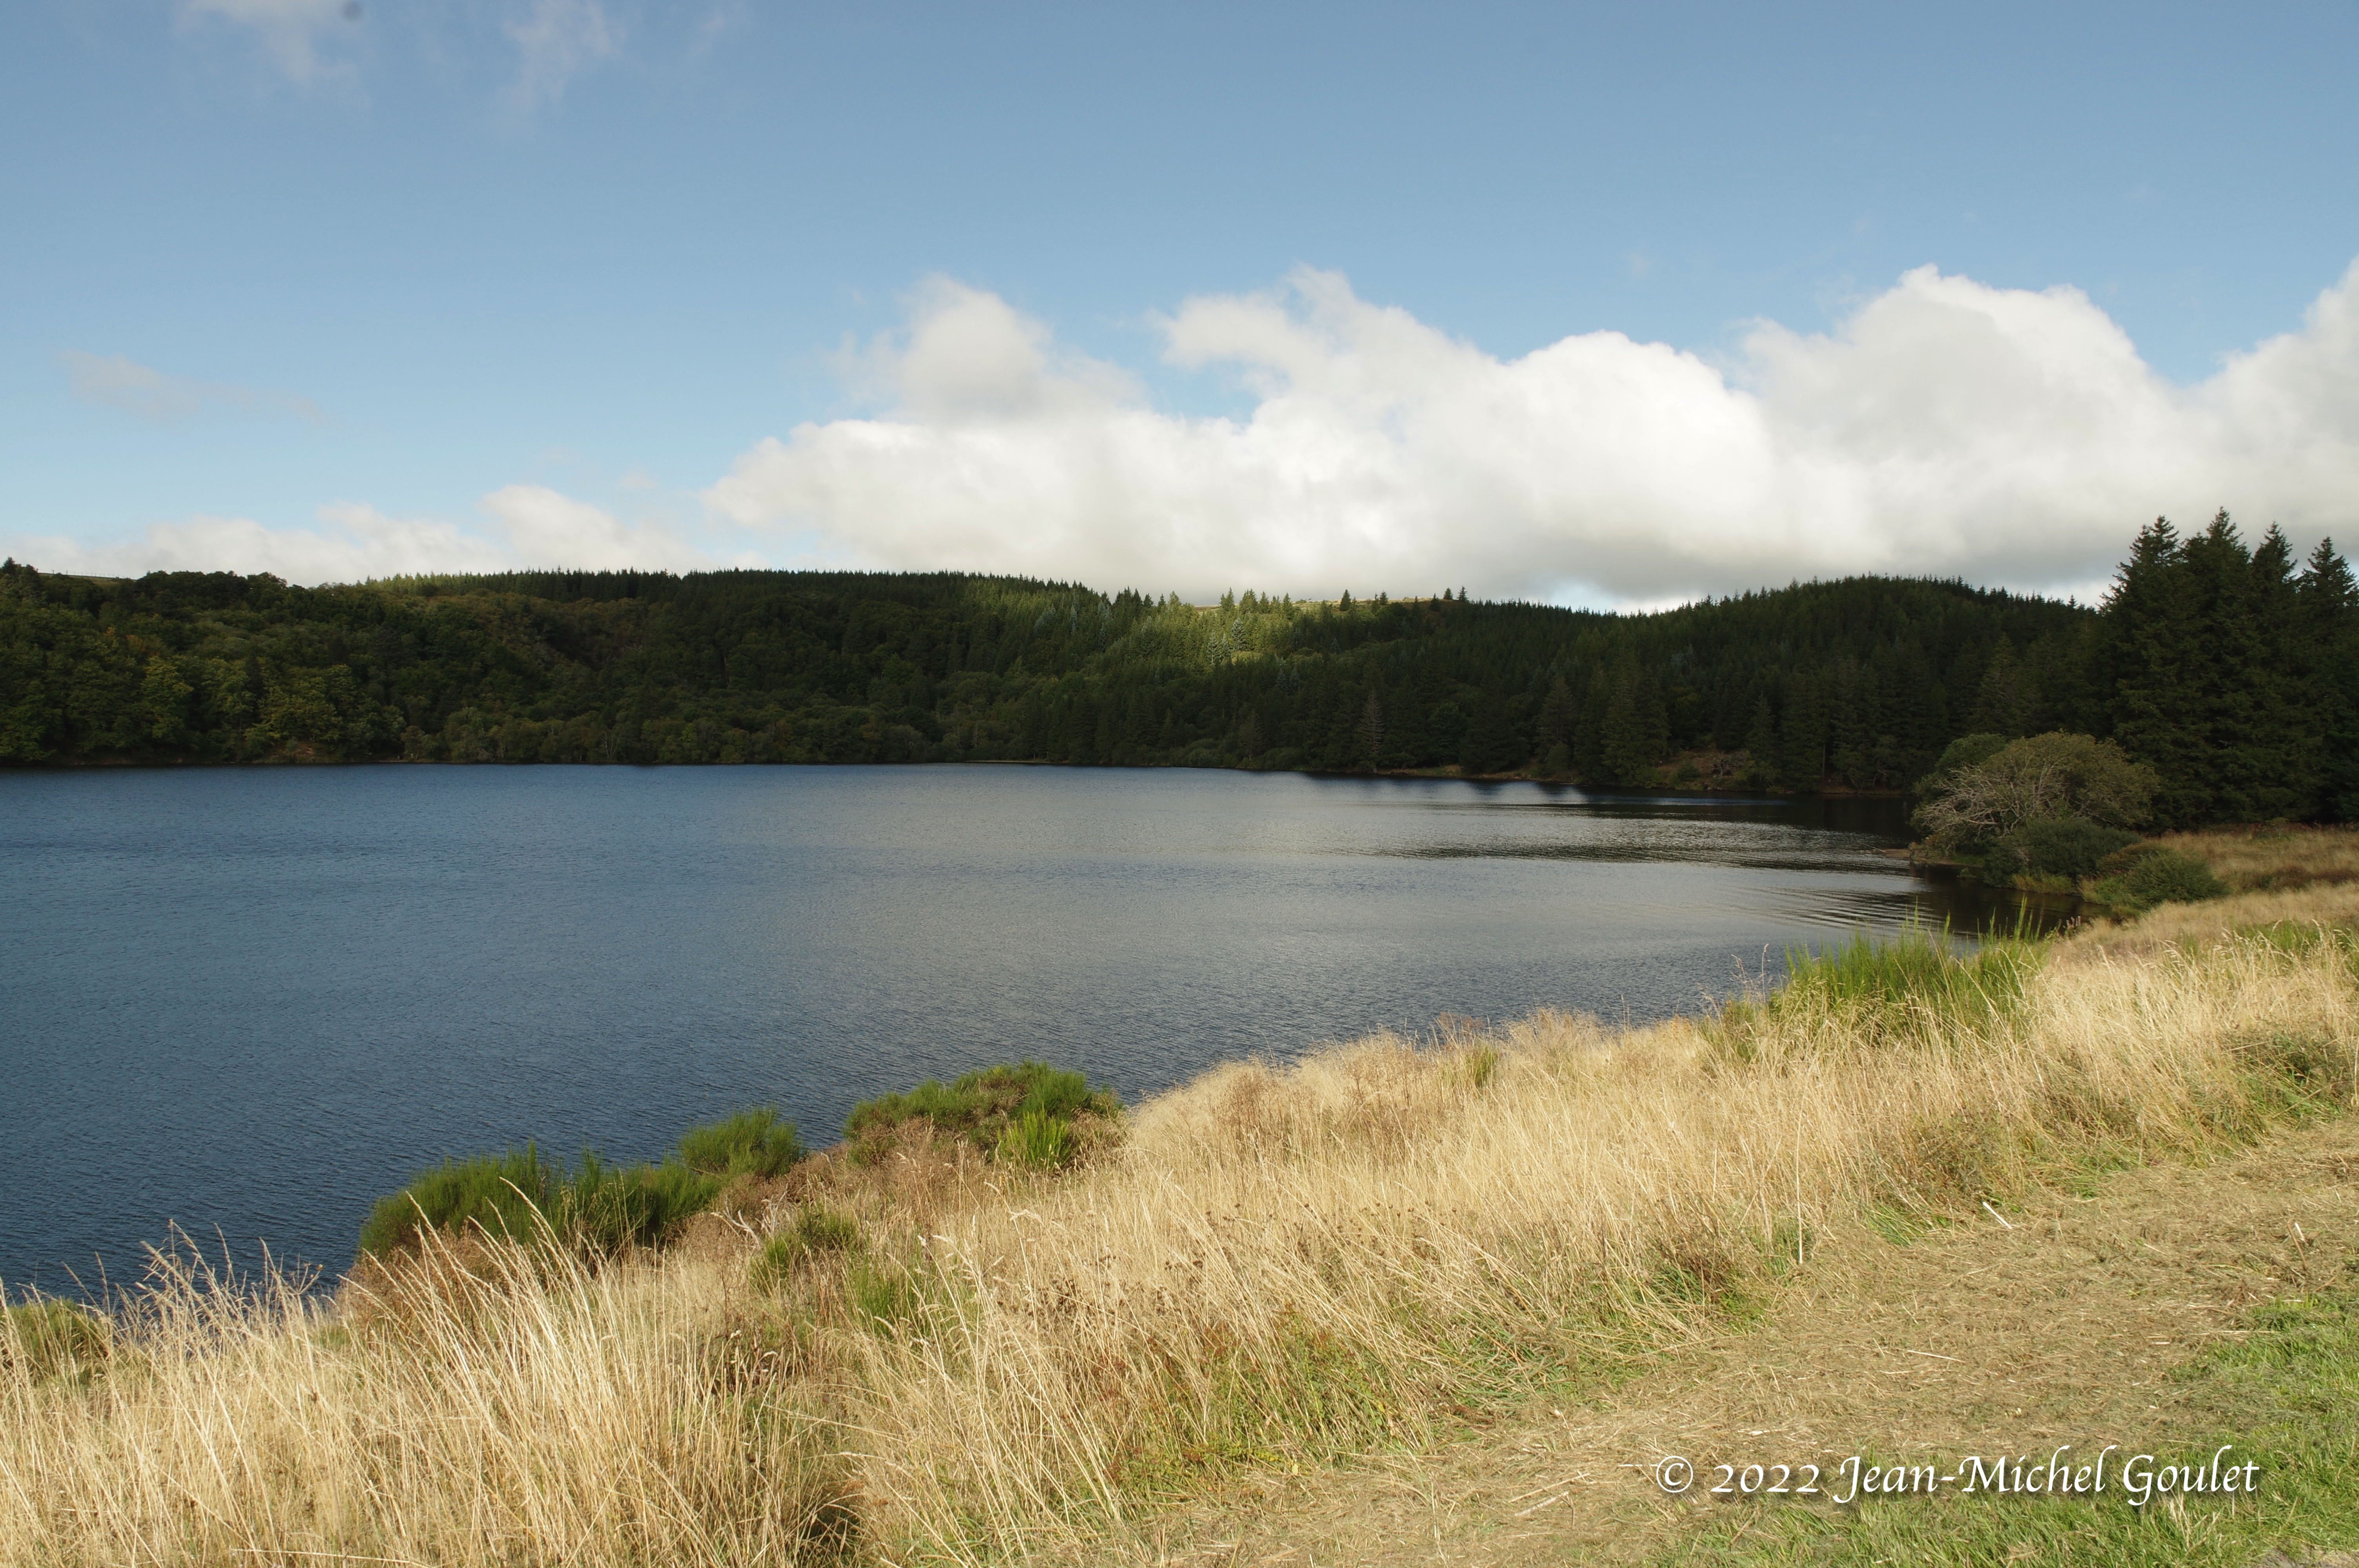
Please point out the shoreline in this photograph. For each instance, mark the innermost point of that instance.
(1379, 1249)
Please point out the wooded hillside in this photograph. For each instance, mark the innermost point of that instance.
(2227, 668)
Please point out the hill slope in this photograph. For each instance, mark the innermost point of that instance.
(2229, 669)
(1859, 683)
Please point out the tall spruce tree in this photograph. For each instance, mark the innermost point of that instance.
(2285, 757)
(1761, 745)
(1637, 725)
(2007, 701)
(2147, 662)
(2326, 603)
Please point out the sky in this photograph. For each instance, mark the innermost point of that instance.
(1603, 305)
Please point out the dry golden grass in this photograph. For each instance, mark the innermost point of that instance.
(2080, 1314)
(1280, 1266)
(2277, 857)
(532, 1414)
(2215, 919)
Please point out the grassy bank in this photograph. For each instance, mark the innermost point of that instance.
(938, 1345)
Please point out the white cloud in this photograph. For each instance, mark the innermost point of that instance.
(555, 41)
(532, 527)
(547, 529)
(2001, 435)
(290, 30)
(151, 394)
(1946, 426)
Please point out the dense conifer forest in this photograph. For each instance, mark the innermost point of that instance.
(2231, 669)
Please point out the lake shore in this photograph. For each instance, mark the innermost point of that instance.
(223, 976)
(1379, 1251)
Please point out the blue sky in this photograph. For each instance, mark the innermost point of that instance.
(1294, 295)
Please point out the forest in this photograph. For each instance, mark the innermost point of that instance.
(2231, 669)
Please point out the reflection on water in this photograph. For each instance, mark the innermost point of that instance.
(253, 999)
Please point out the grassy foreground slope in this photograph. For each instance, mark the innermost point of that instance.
(1277, 1269)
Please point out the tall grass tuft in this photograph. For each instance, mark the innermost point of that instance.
(817, 1230)
(49, 1338)
(1036, 1138)
(1917, 987)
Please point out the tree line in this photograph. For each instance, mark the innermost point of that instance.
(2225, 667)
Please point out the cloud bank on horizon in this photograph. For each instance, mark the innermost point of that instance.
(1946, 427)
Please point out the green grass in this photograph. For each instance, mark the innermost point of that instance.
(1023, 1112)
(51, 1338)
(2285, 1392)
(752, 1142)
(1036, 1138)
(1914, 986)
(816, 1230)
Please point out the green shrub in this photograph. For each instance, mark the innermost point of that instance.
(596, 1208)
(2163, 876)
(815, 1230)
(1998, 864)
(983, 1106)
(2069, 847)
(49, 1338)
(604, 1209)
(752, 1142)
(502, 1194)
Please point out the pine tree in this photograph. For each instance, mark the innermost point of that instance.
(1637, 725)
(1557, 717)
(2008, 701)
(1371, 735)
(2151, 621)
(2326, 605)
(2227, 774)
(1802, 734)
(2283, 681)
(1251, 741)
(1491, 746)
(1589, 727)
(1761, 745)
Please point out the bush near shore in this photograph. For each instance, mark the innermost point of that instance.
(2055, 814)
(934, 1353)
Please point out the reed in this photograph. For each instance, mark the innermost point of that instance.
(959, 1359)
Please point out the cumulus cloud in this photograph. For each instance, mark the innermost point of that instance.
(116, 382)
(544, 528)
(1946, 426)
(290, 30)
(530, 526)
(555, 41)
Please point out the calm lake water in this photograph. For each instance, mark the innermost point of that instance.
(248, 1002)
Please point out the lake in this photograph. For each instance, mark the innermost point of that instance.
(248, 1002)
